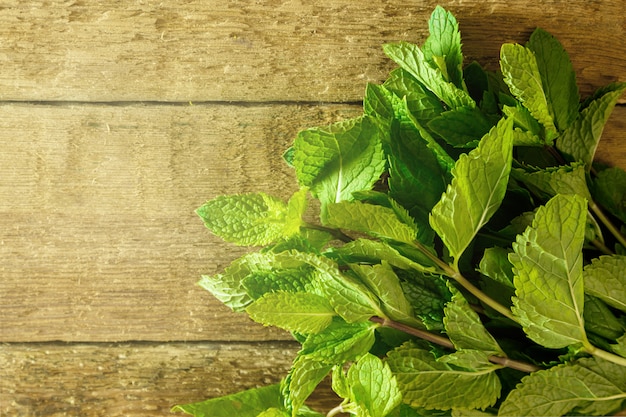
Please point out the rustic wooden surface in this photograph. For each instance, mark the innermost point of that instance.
(269, 50)
(120, 118)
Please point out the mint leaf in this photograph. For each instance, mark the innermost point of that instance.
(420, 102)
(339, 382)
(478, 187)
(548, 182)
(257, 273)
(496, 265)
(524, 138)
(600, 320)
(250, 219)
(375, 220)
(580, 140)
(477, 360)
(374, 251)
(548, 267)
(620, 346)
(414, 165)
(305, 375)
(373, 388)
(589, 386)
(340, 342)
(518, 225)
(402, 124)
(297, 279)
(429, 383)
(464, 328)
(384, 283)
(228, 287)
(379, 102)
(497, 278)
(428, 296)
(297, 312)
(605, 278)
(476, 80)
(609, 190)
(557, 76)
(248, 403)
(521, 74)
(443, 158)
(411, 58)
(296, 206)
(352, 300)
(462, 127)
(378, 198)
(523, 119)
(445, 42)
(338, 160)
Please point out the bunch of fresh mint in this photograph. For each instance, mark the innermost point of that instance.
(469, 257)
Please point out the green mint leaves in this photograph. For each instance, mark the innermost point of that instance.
(299, 312)
(466, 255)
(443, 46)
(253, 219)
(431, 383)
(411, 58)
(589, 386)
(369, 388)
(548, 269)
(557, 78)
(604, 278)
(479, 184)
(251, 403)
(521, 73)
(336, 161)
(580, 140)
(378, 221)
(465, 329)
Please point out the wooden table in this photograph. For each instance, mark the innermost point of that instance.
(119, 118)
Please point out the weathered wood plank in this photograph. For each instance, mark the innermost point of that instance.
(98, 238)
(270, 50)
(134, 380)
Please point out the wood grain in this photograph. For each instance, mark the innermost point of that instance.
(270, 50)
(119, 118)
(135, 379)
(98, 236)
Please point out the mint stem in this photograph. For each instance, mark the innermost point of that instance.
(603, 354)
(442, 341)
(464, 282)
(451, 272)
(335, 411)
(422, 334)
(601, 247)
(556, 155)
(593, 206)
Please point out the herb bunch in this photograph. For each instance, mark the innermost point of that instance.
(467, 255)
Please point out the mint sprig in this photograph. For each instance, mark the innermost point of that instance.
(468, 255)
